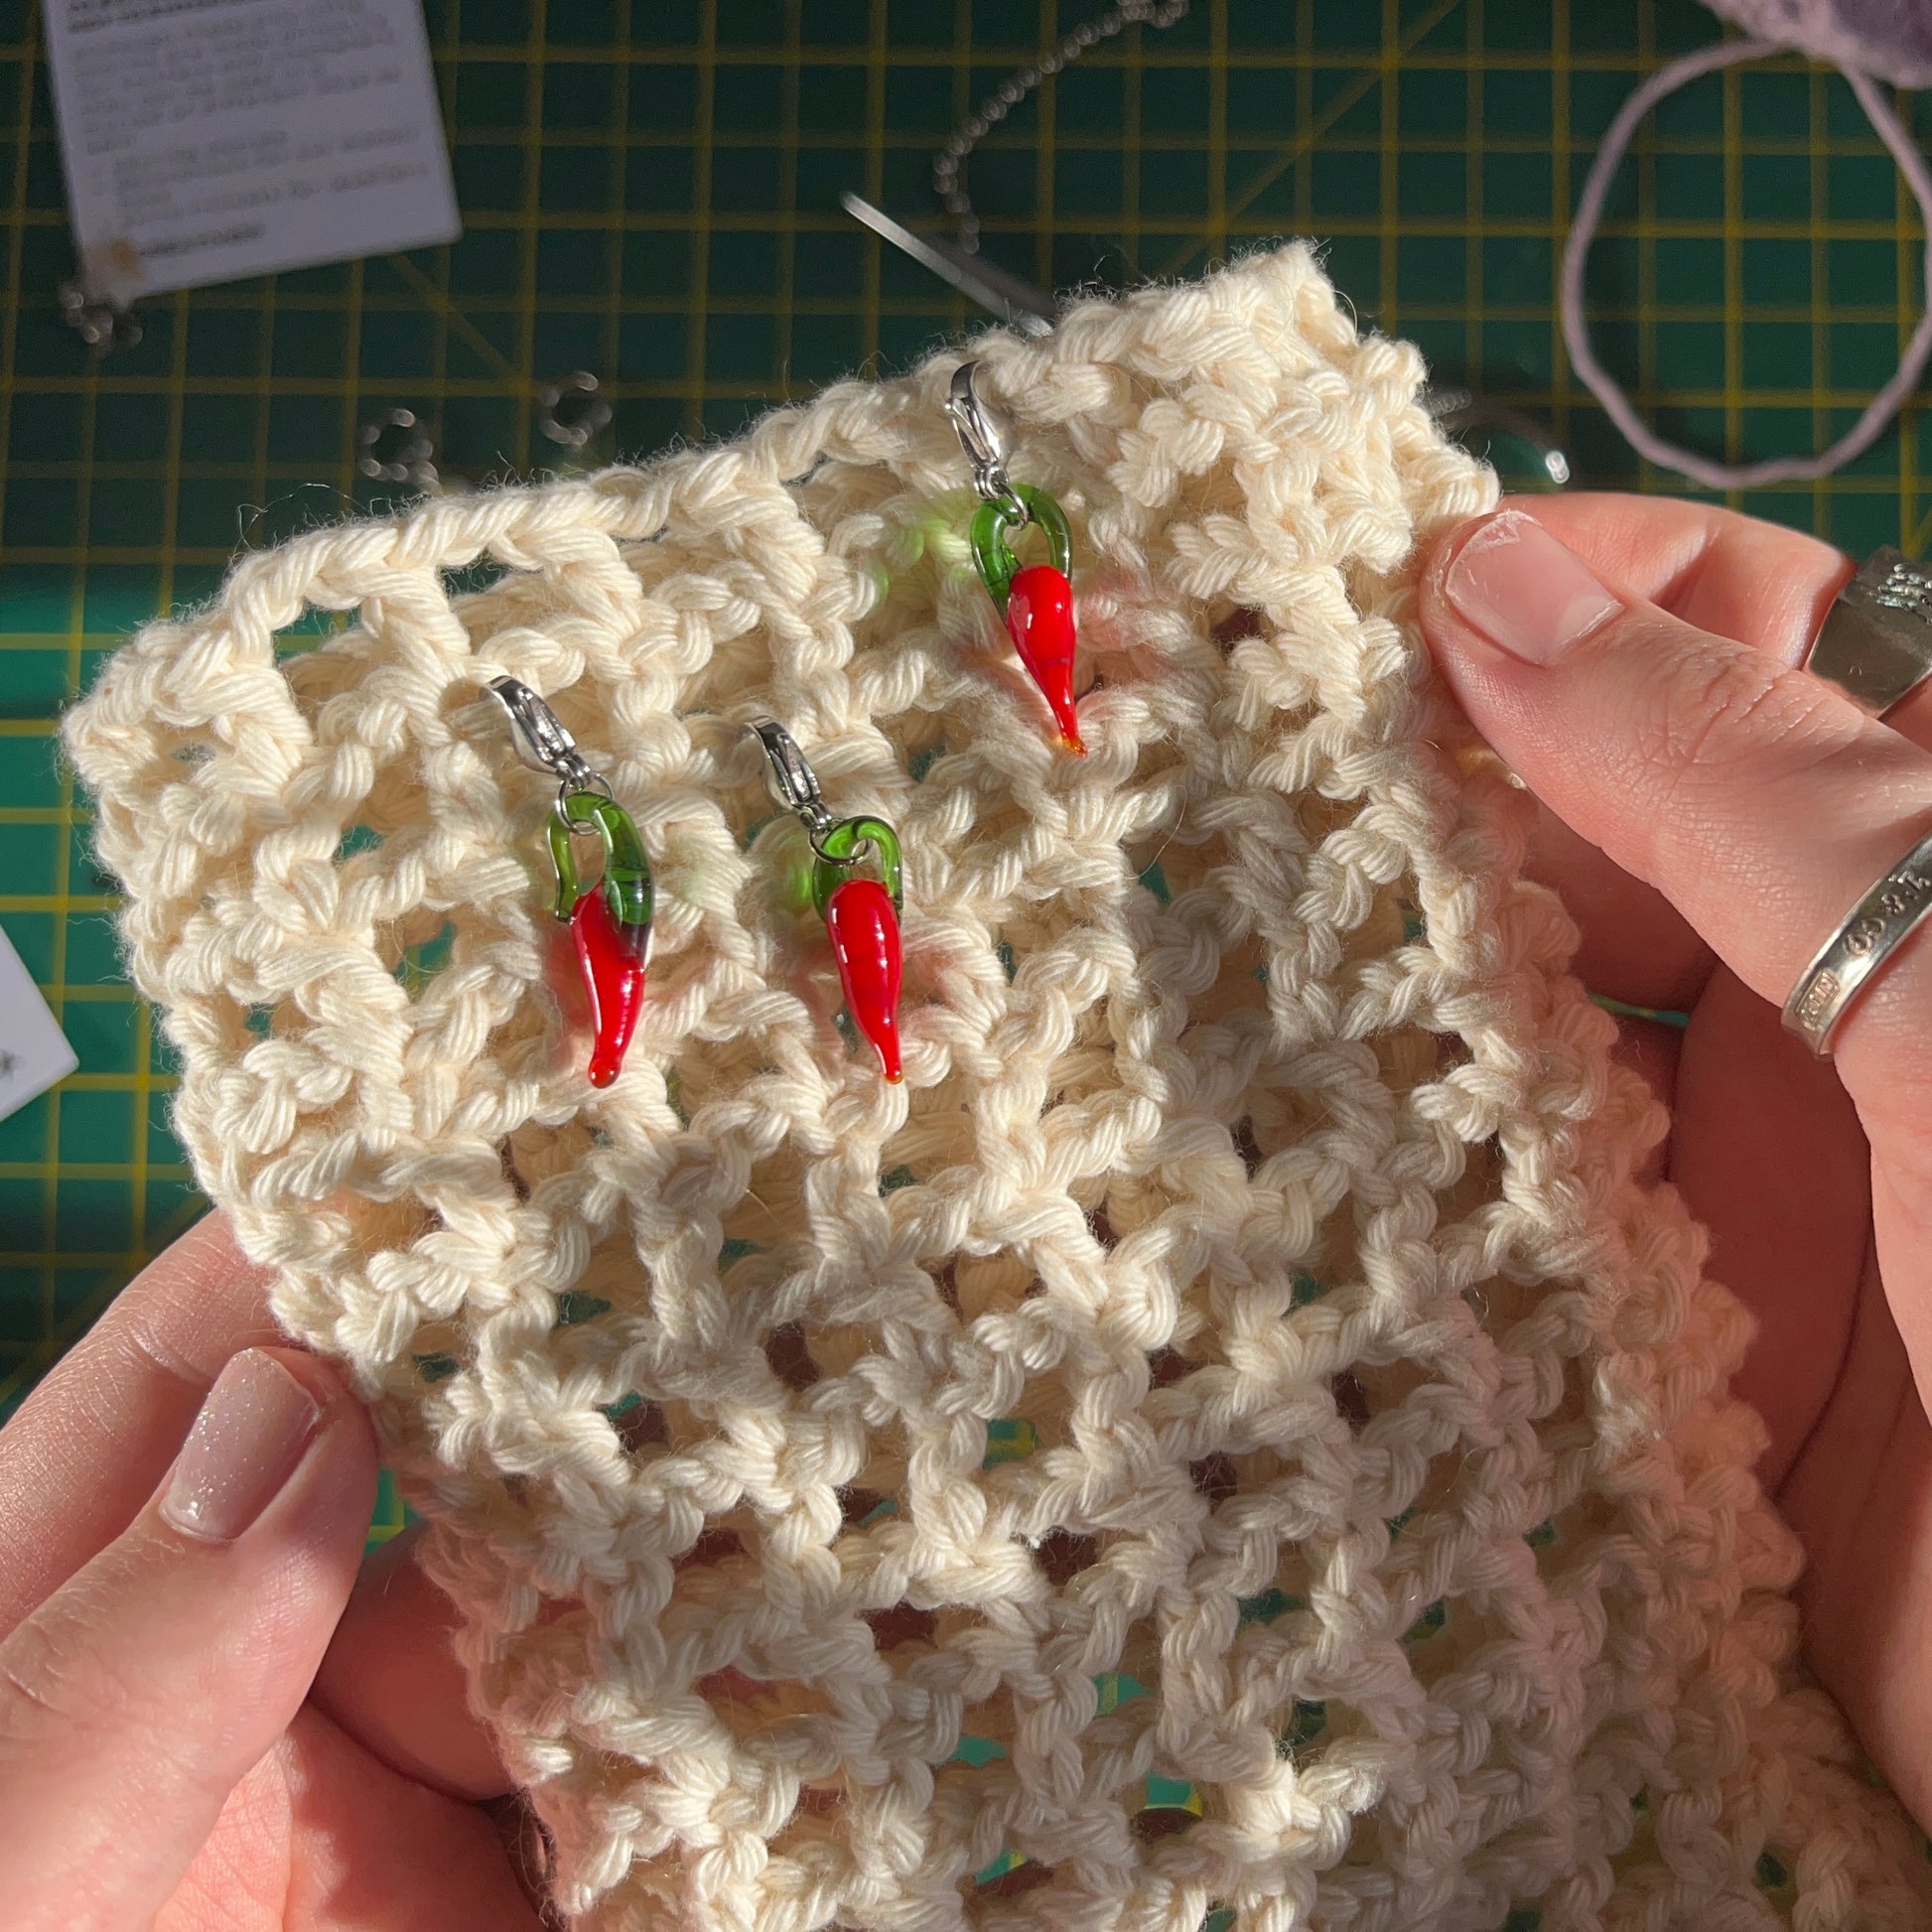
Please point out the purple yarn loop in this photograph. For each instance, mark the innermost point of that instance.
(1589, 213)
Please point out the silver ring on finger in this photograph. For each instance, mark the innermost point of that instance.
(1846, 964)
(1875, 643)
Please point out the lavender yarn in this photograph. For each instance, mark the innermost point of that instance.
(1887, 39)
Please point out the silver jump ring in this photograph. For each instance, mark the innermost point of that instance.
(1875, 643)
(575, 785)
(1859, 951)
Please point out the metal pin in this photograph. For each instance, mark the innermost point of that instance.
(396, 448)
(103, 325)
(1020, 303)
(570, 412)
(1457, 412)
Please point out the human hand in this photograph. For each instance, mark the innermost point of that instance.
(1710, 812)
(181, 1744)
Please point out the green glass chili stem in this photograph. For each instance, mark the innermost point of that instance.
(993, 554)
(626, 873)
(838, 851)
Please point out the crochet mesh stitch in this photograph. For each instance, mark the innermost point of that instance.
(1236, 1384)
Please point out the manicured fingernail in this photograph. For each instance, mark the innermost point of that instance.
(1528, 594)
(244, 1446)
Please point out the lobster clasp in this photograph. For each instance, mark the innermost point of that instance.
(539, 736)
(788, 777)
(980, 438)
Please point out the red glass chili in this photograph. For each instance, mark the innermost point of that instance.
(611, 924)
(1037, 600)
(863, 929)
(1039, 620)
(860, 913)
(610, 919)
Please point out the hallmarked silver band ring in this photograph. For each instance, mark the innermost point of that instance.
(1875, 643)
(1856, 953)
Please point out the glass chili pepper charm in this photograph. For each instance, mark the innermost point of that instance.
(609, 922)
(862, 919)
(860, 911)
(1035, 600)
(610, 919)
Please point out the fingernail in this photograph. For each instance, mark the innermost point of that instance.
(244, 1446)
(1528, 594)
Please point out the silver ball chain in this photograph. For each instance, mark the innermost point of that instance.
(949, 164)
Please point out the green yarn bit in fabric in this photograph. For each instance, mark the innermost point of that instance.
(1427, 1624)
(1270, 1604)
(977, 1752)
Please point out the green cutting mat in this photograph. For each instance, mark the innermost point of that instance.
(650, 193)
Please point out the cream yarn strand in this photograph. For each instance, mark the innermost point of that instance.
(1237, 1370)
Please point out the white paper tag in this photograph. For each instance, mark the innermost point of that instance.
(34, 1052)
(206, 140)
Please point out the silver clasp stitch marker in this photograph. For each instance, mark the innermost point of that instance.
(540, 741)
(790, 779)
(985, 447)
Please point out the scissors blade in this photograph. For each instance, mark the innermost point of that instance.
(1029, 309)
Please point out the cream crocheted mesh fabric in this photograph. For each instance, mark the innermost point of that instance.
(1227, 1441)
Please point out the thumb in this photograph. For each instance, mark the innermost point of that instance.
(136, 1696)
(1759, 802)
(1762, 804)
